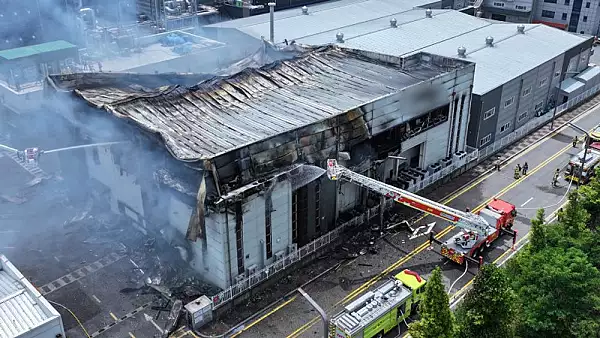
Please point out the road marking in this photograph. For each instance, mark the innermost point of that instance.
(131, 335)
(423, 246)
(264, 316)
(529, 200)
(56, 258)
(136, 266)
(191, 333)
(149, 318)
(459, 193)
(79, 273)
(119, 320)
(96, 298)
(114, 317)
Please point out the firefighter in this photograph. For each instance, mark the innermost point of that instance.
(555, 178)
(517, 172)
(525, 169)
(575, 142)
(467, 209)
(497, 165)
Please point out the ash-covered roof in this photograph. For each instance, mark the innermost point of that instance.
(224, 114)
(22, 308)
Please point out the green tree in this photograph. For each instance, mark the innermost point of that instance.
(436, 318)
(538, 232)
(590, 199)
(488, 309)
(556, 292)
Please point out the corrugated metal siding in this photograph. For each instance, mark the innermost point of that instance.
(19, 312)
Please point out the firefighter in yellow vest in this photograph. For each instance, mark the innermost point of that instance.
(517, 172)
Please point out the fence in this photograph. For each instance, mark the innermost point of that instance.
(472, 155)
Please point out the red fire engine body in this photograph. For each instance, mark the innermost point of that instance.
(478, 230)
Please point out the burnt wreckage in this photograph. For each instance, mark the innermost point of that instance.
(245, 187)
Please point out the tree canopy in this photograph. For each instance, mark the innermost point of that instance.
(488, 308)
(436, 318)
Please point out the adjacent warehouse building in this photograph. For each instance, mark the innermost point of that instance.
(24, 313)
(518, 67)
(230, 175)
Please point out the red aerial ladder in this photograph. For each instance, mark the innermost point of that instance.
(478, 230)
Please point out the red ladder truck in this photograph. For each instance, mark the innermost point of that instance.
(478, 231)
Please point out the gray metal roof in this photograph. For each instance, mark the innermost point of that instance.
(589, 73)
(22, 308)
(225, 114)
(570, 85)
(369, 29)
(512, 55)
(292, 24)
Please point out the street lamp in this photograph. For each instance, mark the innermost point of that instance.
(319, 309)
(585, 148)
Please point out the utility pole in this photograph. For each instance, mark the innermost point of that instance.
(585, 149)
(319, 310)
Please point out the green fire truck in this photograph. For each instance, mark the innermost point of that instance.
(377, 312)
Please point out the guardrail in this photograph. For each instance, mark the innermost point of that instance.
(472, 155)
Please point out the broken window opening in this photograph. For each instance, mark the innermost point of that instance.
(391, 139)
(295, 217)
(268, 235)
(239, 236)
(96, 156)
(317, 207)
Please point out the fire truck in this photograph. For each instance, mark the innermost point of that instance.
(589, 167)
(478, 231)
(377, 312)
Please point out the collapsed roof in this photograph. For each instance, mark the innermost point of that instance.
(225, 113)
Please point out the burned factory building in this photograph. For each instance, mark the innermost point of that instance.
(230, 167)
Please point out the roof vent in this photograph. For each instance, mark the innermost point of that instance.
(521, 29)
(428, 13)
(339, 37)
(479, 14)
(304, 10)
(462, 52)
(489, 41)
(393, 22)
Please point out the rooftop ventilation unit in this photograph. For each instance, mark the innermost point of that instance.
(428, 13)
(489, 41)
(304, 10)
(462, 52)
(339, 37)
(521, 29)
(272, 21)
(393, 22)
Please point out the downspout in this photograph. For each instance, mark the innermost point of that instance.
(450, 119)
(519, 95)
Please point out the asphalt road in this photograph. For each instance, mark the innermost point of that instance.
(396, 252)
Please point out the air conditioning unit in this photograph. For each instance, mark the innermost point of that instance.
(446, 162)
(251, 270)
(239, 279)
(460, 158)
(292, 248)
(279, 255)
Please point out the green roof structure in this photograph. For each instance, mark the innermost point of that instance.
(35, 50)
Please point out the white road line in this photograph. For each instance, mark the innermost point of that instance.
(151, 320)
(9, 231)
(96, 298)
(132, 262)
(56, 258)
(529, 200)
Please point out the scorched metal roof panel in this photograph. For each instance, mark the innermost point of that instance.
(225, 114)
